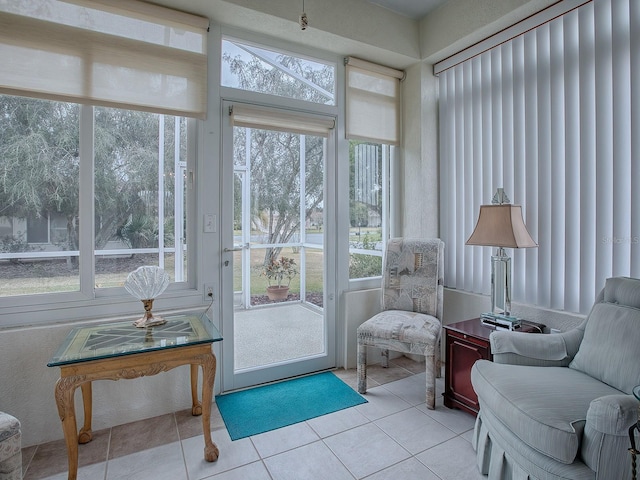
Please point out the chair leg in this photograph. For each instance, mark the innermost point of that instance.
(384, 363)
(430, 363)
(362, 368)
(438, 359)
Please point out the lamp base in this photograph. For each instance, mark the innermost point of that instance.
(148, 319)
(506, 322)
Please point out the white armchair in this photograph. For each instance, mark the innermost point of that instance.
(559, 407)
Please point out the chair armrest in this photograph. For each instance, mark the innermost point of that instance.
(613, 414)
(541, 350)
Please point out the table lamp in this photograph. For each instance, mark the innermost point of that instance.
(146, 283)
(501, 225)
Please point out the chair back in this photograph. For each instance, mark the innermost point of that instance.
(413, 278)
(610, 347)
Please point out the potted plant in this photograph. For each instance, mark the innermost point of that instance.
(276, 272)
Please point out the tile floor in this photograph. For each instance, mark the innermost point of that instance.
(394, 436)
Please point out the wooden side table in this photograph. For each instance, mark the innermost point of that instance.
(117, 351)
(466, 342)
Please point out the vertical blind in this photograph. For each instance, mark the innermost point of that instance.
(105, 52)
(553, 116)
(373, 102)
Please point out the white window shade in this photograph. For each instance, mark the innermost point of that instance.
(373, 102)
(252, 116)
(112, 53)
(548, 115)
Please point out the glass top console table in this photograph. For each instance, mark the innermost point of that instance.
(115, 351)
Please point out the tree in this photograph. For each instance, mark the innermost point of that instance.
(39, 160)
(275, 156)
(39, 166)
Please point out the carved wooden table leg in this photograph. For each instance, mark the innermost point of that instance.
(196, 406)
(64, 391)
(208, 377)
(85, 435)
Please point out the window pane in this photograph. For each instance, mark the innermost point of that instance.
(140, 161)
(366, 208)
(314, 276)
(259, 70)
(38, 229)
(39, 192)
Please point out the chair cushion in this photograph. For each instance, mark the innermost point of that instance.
(10, 437)
(400, 331)
(610, 349)
(546, 407)
(9, 426)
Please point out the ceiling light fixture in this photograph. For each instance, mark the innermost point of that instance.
(304, 22)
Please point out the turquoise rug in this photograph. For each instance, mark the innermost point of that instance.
(261, 409)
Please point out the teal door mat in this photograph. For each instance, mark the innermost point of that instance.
(261, 409)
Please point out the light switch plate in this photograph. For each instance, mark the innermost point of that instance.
(209, 223)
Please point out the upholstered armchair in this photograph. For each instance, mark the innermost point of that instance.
(410, 321)
(560, 406)
(10, 448)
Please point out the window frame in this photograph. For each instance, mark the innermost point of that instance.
(388, 162)
(21, 310)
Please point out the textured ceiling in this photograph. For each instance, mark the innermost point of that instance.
(411, 8)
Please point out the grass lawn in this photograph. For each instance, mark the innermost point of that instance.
(52, 276)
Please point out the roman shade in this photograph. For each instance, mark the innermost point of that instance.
(113, 53)
(373, 102)
(253, 116)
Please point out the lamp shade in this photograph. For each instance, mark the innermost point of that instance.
(501, 226)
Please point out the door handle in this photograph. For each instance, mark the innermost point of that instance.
(236, 249)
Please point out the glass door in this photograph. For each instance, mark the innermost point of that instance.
(275, 321)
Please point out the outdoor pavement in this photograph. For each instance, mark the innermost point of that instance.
(276, 333)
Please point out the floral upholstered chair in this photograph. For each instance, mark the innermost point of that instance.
(10, 448)
(410, 321)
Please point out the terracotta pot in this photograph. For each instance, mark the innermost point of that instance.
(277, 292)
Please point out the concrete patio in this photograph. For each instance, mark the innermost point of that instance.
(277, 333)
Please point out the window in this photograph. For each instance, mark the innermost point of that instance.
(139, 162)
(368, 207)
(548, 116)
(257, 69)
(101, 136)
(373, 127)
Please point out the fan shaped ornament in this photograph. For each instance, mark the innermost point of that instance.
(147, 283)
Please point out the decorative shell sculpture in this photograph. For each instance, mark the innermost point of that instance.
(146, 283)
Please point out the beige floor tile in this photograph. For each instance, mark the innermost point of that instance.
(337, 422)
(410, 469)
(143, 435)
(452, 460)
(190, 426)
(414, 430)
(233, 454)
(366, 450)
(314, 461)
(287, 438)
(385, 375)
(51, 458)
(164, 462)
(409, 364)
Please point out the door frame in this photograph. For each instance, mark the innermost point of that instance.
(232, 380)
